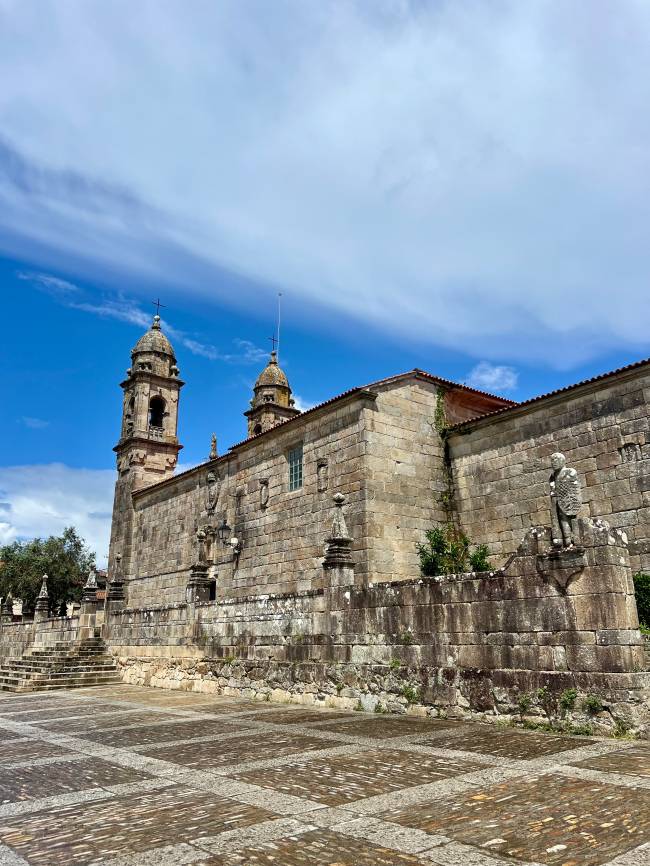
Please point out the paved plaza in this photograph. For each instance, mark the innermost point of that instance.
(121, 775)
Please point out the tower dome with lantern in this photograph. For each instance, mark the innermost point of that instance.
(272, 402)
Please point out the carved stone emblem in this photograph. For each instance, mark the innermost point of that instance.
(630, 452)
(322, 474)
(566, 500)
(212, 491)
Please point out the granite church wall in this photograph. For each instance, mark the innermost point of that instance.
(405, 477)
(282, 538)
(501, 465)
(453, 645)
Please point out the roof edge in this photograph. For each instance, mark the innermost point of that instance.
(559, 393)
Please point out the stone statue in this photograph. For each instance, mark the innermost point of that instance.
(213, 447)
(566, 499)
(212, 491)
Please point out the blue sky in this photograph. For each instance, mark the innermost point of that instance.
(458, 187)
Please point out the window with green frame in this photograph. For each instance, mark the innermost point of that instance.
(295, 468)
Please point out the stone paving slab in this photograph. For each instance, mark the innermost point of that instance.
(550, 819)
(81, 834)
(129, 776)
(14, 749)
(102, 722)
(178, 729)
(634, 761)
(233, 751)
(288, 716)
(383, 727)
(348, 778)
(519, 745)
(315, 848)
(30, 783)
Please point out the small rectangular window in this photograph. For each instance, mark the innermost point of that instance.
(295, 468)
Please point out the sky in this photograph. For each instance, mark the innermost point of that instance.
(460, 187)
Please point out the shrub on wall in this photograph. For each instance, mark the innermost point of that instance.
(642, 595)
(447, 551)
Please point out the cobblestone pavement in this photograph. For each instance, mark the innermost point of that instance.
(127, 776)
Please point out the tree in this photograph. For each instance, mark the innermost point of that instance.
(65, 559)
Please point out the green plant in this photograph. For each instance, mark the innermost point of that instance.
(584, 730)
(542, 694)
(395, 664)
(411, 694)
(228, 660)
(380, 708)
(339, 687)
(642, 595)
(568, 699)
(621, 728)
(524, 703)
(447, 551)
(478, 558)
(440, 416)
(644, 629)
(406, 637)
(359, 707)
(592, 705)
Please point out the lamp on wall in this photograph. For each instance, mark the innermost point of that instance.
(223, 531)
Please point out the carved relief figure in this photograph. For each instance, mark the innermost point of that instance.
(322, 473)
(212, 491)
(566, 499)
(264, 492)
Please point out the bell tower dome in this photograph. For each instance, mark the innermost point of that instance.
(272, 402)
(148, 446)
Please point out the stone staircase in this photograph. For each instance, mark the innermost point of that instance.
(60, 666)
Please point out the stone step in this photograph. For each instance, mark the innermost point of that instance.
(60, 666)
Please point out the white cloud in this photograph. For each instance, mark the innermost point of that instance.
(43, 500)
(302, 405)
(52, 285)
(493, 378)
(34, 423)
(474, 176)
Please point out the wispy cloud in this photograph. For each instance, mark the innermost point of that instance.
(494, 378)
(34, 423)
(491, 167)
(50, 284)
(127, 310)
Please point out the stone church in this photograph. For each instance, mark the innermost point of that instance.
(287, 568)
(404, 451)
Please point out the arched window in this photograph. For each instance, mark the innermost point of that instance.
(257, 429)
(156, 411)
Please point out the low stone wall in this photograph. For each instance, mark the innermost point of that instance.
(547, 624)
(16, 637)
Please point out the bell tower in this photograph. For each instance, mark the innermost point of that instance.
(272, 402)
(147, 450)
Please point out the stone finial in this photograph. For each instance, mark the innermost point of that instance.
(566, 500)
(200, 544)
(90, 588)
(339, 543)
(7, 609)
(42, 606)
(339, 529)
(213, 447)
